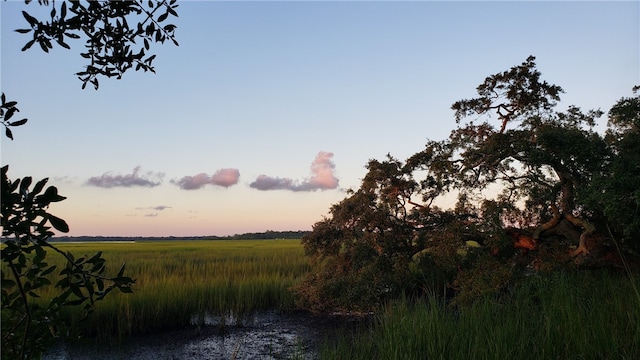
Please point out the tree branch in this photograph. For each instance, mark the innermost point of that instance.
(549, 224)
(23, 296)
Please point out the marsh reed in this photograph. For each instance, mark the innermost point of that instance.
(179, 282)
(584, 315)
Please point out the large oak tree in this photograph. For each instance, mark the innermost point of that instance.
(536, 188)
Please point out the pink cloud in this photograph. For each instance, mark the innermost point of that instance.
(322, 177)
(222, 177)
(322, 169)
(225, 177)
(192, 182)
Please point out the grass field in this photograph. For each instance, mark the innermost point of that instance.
(179, 282)
(581, 315)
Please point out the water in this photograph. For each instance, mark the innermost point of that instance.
(267, 335)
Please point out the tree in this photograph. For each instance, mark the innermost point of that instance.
(361, 252)
(530, 190)
(615, 191)
(28, 325)
(543, 159)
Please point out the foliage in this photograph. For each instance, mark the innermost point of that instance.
(7, 110)
(566, 315)
(111, 47)
(27, 326)
(530, 187)
(616, 190)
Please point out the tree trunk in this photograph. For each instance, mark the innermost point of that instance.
(566, 212)
(588, 229)
(549, 224)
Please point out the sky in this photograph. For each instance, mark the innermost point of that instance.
(267, 112)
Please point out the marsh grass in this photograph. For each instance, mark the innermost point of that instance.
(582, 315)
(565, 316)
(182, 282)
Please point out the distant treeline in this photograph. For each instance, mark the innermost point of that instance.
(269, 234)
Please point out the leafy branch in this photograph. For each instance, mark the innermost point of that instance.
(111, 43)
(7, 110)
(28, 324)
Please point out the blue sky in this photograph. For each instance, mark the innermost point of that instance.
(268, 111)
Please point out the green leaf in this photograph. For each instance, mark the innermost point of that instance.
(95, 257)
(125, 289)
(98, 267)
(24, 185)
(7, 283)
(39, 186)
(75, 289)
(30, 19)
(9, 113)
(58, 223)
(17, 123)
(43, 46)
(40, 255)
(28, 44)
(8, 133)
(100, 284)
(23, 31)
(63, 283)
(63, 10)
(51, 195)
(48, 270)
(63, 44)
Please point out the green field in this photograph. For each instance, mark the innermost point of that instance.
(580, 315)
(179, 282)
(577, 315)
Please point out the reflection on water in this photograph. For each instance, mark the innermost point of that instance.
(267, 335)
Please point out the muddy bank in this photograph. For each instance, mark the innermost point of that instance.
(266, 335)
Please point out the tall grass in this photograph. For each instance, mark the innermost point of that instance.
(567, 316)
(179, 282)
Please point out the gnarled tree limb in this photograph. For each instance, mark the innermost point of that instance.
(549, 224)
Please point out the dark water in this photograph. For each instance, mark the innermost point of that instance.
(266, 335)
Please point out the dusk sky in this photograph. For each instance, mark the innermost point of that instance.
(268, 111)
